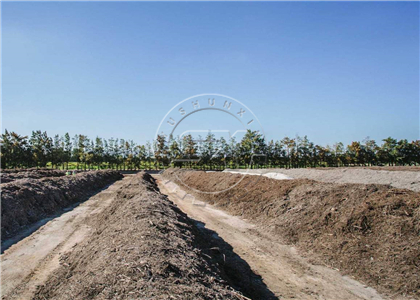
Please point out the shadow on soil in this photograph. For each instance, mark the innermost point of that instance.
(235, 270)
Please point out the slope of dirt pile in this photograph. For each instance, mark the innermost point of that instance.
(24, 170)
(12, 175)
(26, 201)
(140, 247)
(396, 168)
(396, 178)
(368, 231)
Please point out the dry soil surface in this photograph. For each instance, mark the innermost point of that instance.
(284, 271)
(29, 262)
(398, 179)
(33, 260)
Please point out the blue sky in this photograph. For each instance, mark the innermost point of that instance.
(332, 71)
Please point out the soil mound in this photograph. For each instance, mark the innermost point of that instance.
(26, 201)
(396, 168)
(368, 231)
(12, 175)
(24, 170)
(141, 247)
(400, 179)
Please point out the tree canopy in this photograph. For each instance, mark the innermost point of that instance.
(40, 150)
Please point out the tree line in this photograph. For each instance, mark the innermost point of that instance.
(81, 152)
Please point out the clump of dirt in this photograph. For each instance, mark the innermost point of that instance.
(12, 175)
(368, 231)
(26, 201)
(141, 247)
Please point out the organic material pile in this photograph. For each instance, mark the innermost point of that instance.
(26, 201)
(140, 247)
(368, 231)
(397, 177)
(12, 175)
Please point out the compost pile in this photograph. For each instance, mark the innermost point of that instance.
(368, 231)
(26, 201)
(12, 175)
(141, 247)
(397, 178)
(396, 168)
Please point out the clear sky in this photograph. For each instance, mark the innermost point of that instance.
(332, 71)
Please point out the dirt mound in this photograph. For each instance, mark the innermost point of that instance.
(141, 247)
(368, 231)
(12, 175)
(397, 168)
(24, 170)
(397, 178)
(26, 201)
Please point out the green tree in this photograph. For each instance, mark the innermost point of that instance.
(41, 146)
(67, 149)
(57, 152)
(98, 152)
(15, 152)
(174, 152)
(388, 151)
(189, 148)
(290, 146)
(253, 148)
(161, 151)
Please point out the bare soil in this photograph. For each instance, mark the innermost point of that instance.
(398, 177)
(30, 262)
(369, 231)
(12, 175)
(378, 168)
(26, 201)
(286, 273)
(141, 246)
(397, 168)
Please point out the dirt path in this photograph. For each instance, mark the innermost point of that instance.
(29, 262)
(284, 271)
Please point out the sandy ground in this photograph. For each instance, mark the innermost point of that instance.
(29, 262)
(284, 271)
(398, 179)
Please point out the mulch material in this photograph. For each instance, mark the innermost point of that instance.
(141, 247)
(26, 201)
(369, 231)
(12, 175)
